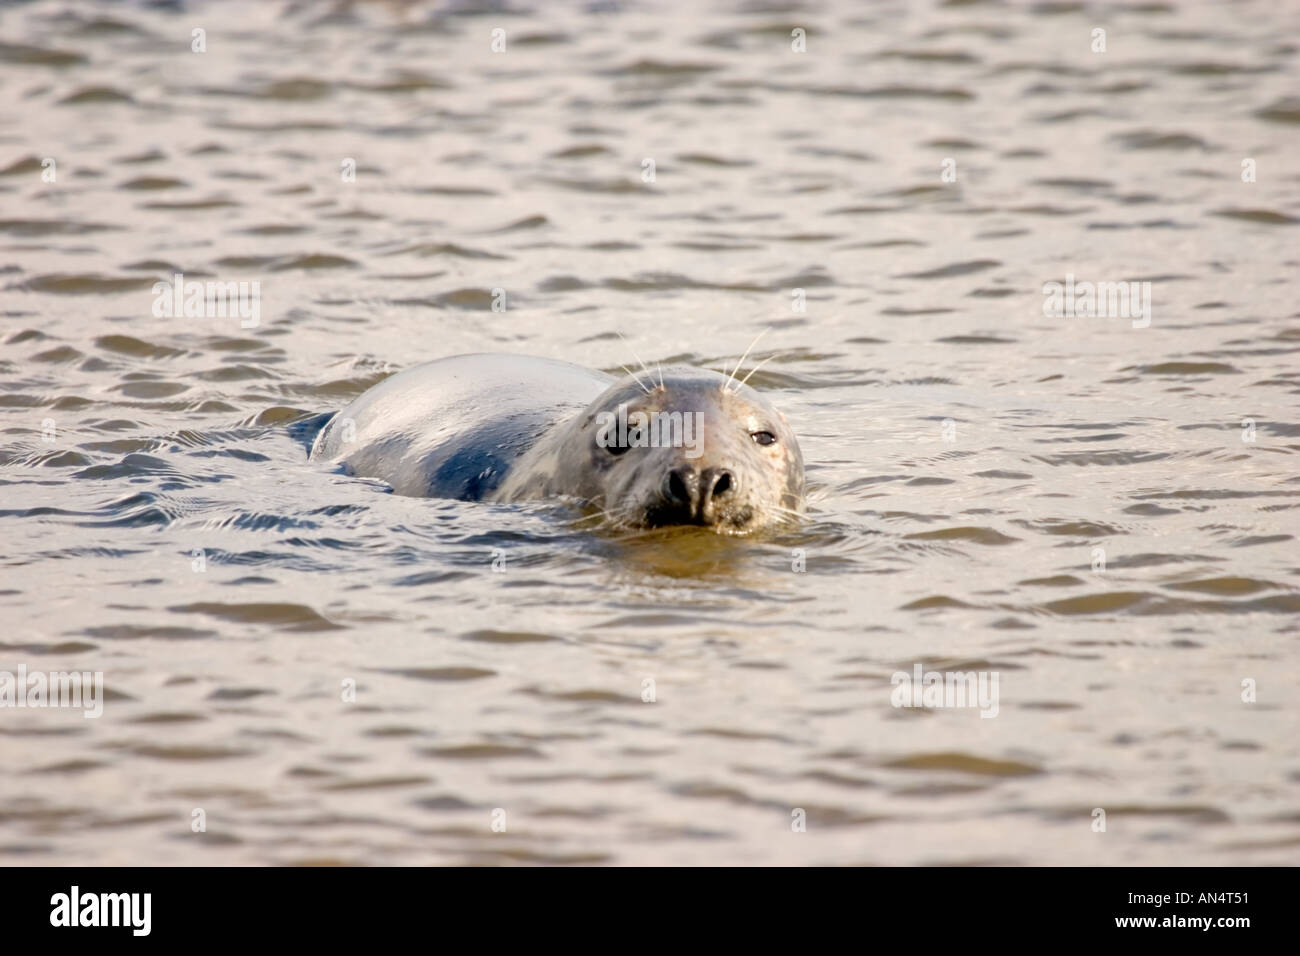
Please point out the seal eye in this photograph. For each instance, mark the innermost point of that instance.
(763, 438)
(617, 450)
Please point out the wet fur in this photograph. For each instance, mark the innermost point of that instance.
(512, 428)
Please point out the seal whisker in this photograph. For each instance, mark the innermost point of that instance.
(742, 382)
(637, 380)
(639, 359)
(595, 514)
(732, 376)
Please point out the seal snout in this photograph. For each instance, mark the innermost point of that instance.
(694, 496)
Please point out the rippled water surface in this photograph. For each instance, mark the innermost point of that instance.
(1074, 503)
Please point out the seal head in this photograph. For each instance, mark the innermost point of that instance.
(689, 448)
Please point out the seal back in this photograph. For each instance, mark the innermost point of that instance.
(454, 427)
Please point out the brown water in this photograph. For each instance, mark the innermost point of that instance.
(968, 455)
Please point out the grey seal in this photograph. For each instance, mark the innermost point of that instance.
(686, 446)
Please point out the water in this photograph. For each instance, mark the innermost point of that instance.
(968, 455)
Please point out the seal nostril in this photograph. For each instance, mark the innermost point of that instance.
(678, 493)
(722, 485)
